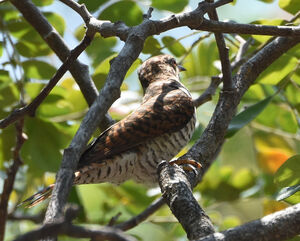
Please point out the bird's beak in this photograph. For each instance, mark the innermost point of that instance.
(181, 68)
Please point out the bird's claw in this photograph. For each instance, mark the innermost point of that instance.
(186, 164)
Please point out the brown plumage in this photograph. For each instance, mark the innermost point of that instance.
(155, 131)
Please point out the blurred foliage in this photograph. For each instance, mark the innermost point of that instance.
(257, 166)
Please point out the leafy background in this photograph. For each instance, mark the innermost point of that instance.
(257, 166)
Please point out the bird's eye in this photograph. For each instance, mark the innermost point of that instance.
(172, 62)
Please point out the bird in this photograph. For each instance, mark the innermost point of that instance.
(133, 147)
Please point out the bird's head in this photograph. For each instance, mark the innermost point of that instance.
(156, 67)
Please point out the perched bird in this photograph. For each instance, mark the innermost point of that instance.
(157, 130)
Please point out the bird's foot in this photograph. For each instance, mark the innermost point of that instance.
(186, 164)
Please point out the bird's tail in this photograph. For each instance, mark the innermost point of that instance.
(37, 197)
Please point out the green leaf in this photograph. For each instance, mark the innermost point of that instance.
(126, 11)
(175, 47)
(287, 192)
(42, 3)
(255, 93)
(33, 89)
(151, 46)
(102, 70)
(246, 116)
(230, 222)
(175, 6)
(280, 117)
(292, 94)
(18, 27)
(38, 69)
(92, 5)
(8, 90)
(8, 12)
(291, 6)
(7, 142)
(43, 149)
(201, 63)
(148, 231)
(278, 70)
(243, 179)
(30, 49)
(57, 21)
(288, 175)
(100, 48)
(62, 101)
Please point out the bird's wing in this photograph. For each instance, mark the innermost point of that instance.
(165, 113)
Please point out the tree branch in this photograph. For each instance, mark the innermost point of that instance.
(133, 222)
(231, 27)
(108, 94)
(38, 218)
(209, 92)
(64, 226)
(213, 137)
(281, 225)
(223, 53)
(177, 193)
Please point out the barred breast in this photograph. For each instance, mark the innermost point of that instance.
(140, 164)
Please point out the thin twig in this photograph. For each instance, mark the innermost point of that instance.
(148, 14)
(33, 218)
(65, 227)
(193, 45)
(133, 222)
(230, 27)
(223, 53)
(209, 92)
(80, 9)
(11, 175)
(239, 58)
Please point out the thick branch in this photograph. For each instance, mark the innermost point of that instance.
(193, 19)
(281, 225)
(178, 194)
